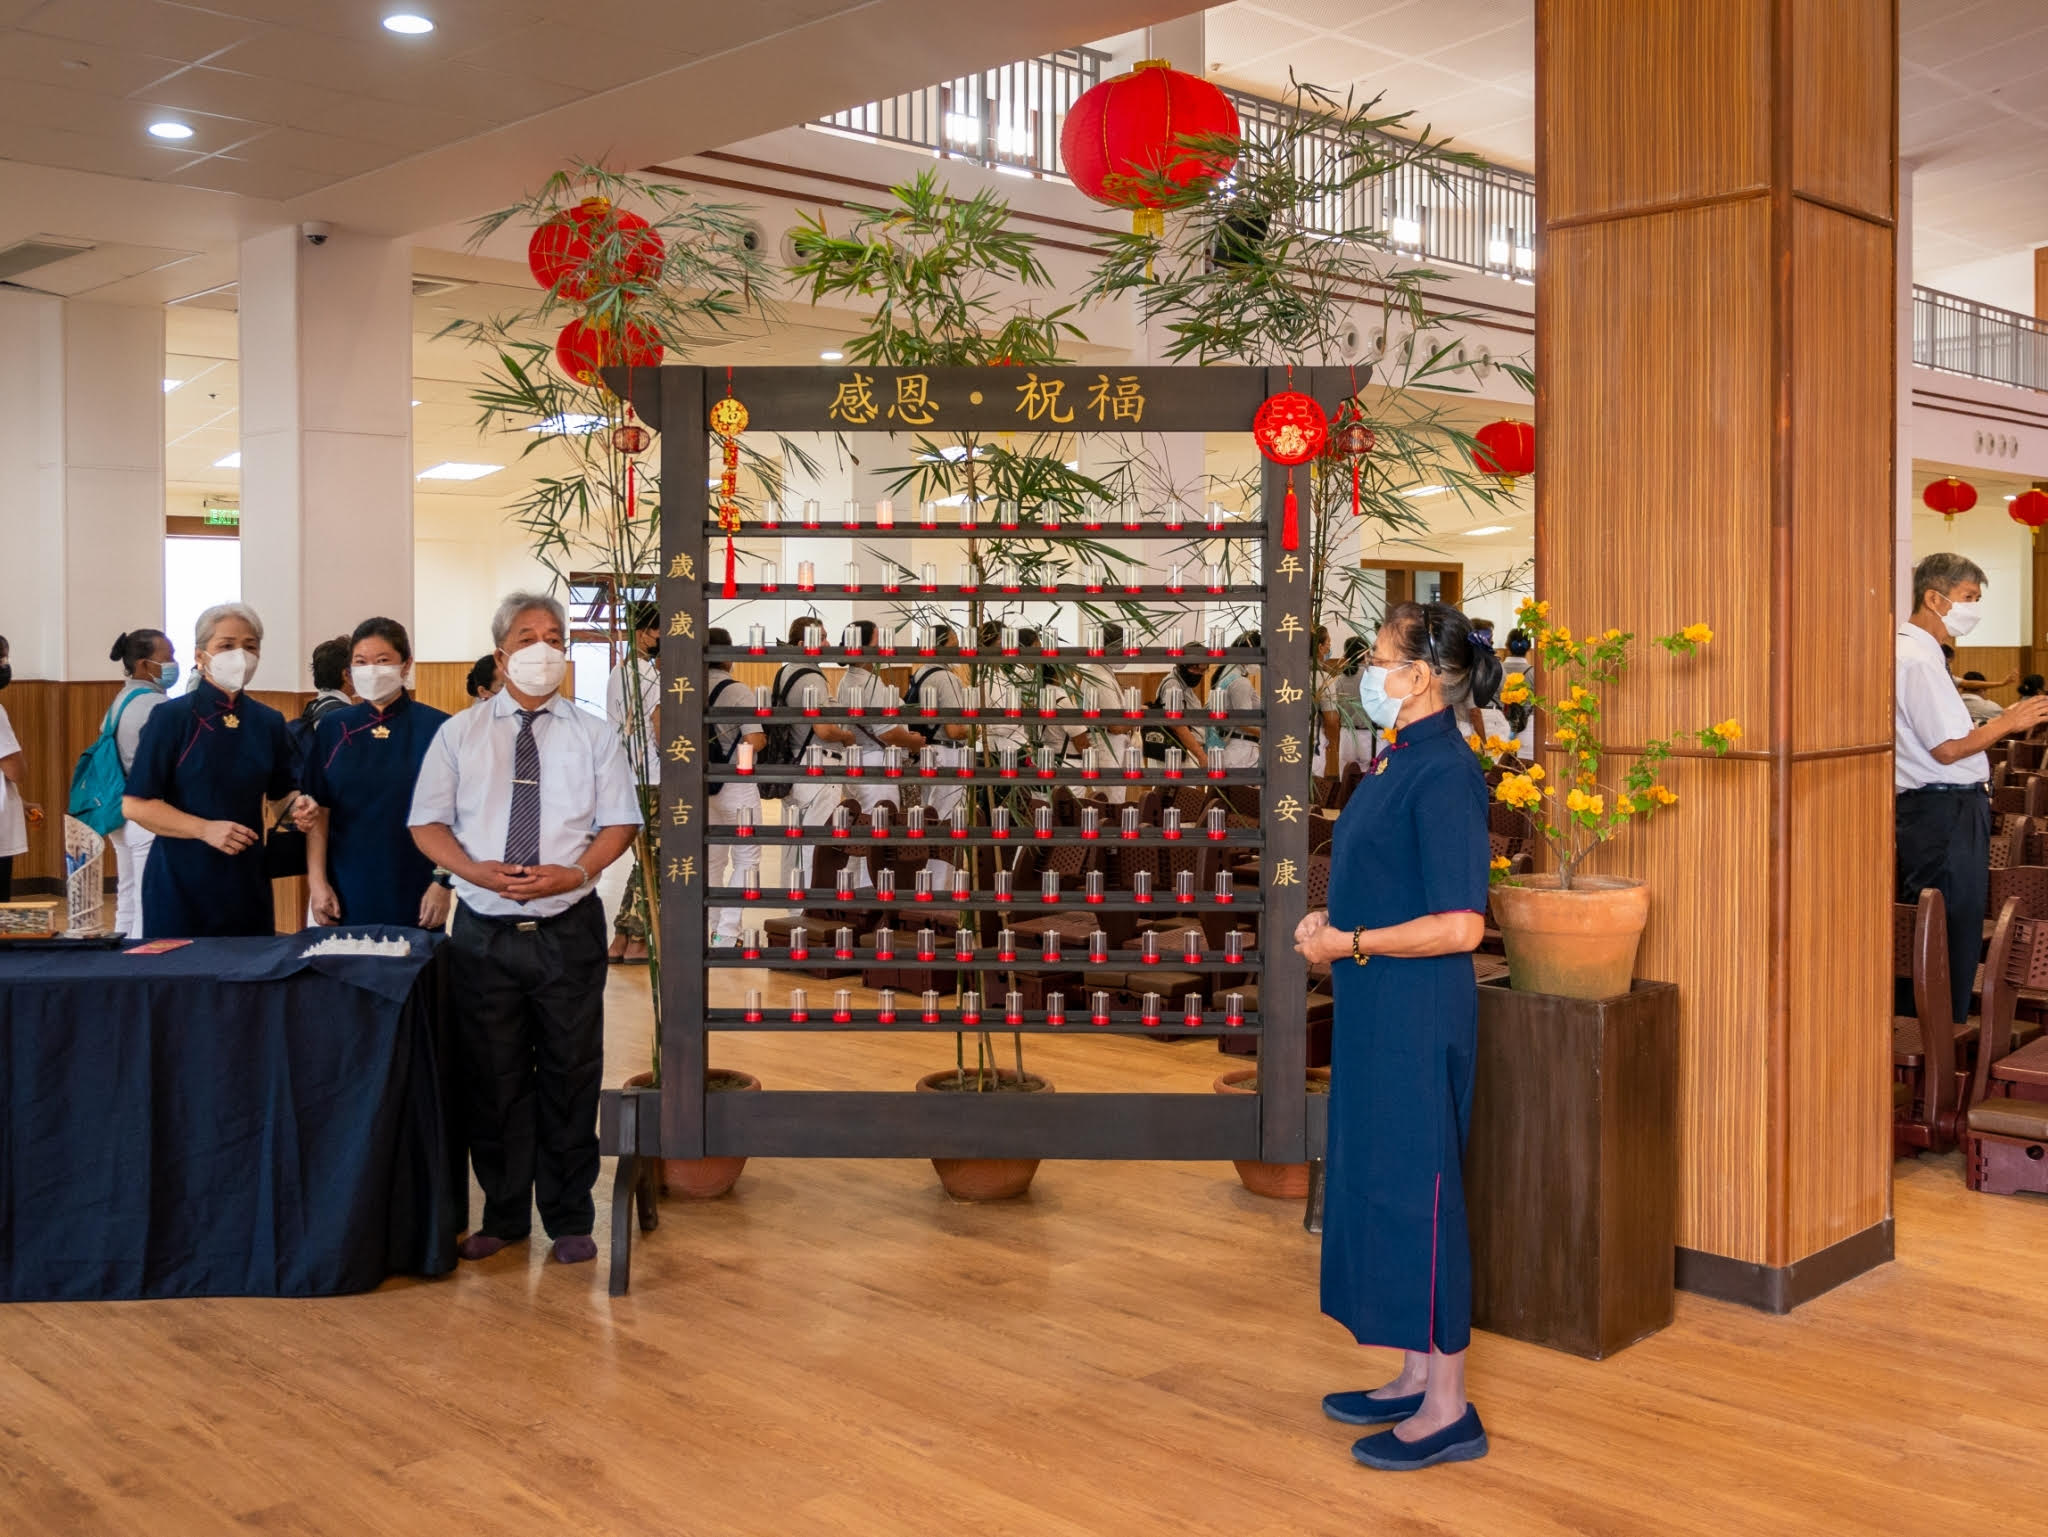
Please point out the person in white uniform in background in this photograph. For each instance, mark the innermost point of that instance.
(150, 664)
(810, 801)
(1240, 743)
(936, 685)
(15, 813)
(629, 930)
(722, 691)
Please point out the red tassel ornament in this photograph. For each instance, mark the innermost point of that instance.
(729, 420)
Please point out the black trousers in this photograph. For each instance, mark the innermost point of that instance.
(6, 878)
(528, 1004)
(1943, 839)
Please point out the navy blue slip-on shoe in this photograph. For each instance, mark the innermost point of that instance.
(1361, 1408)
(1464, 1441)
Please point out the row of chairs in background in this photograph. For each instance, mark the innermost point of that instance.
(1981, 1083)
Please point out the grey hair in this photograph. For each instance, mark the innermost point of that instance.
(202, 632)
(518, 603)
(1943, 573)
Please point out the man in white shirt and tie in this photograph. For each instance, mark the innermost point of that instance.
(525, 800)
(1940, 775)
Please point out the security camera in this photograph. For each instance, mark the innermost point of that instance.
(316, 231)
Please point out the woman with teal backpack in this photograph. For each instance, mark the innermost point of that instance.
(150, 664)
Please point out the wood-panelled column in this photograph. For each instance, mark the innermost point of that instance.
(1714, 406)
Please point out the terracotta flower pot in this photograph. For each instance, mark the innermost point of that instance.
(703, 1179)
(1281, 1181)
(1576, 944)
(984, 1179)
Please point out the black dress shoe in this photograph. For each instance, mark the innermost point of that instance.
(1464, 1440)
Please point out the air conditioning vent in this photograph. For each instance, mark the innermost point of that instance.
(37, 251)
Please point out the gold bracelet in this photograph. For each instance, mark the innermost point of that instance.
(1357, 954)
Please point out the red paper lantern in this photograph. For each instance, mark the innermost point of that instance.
(1507, 450)
(1290, 429)
(582, 349)
(561, 253)
(1130, 127)
(1949, 496)
(2030, 507)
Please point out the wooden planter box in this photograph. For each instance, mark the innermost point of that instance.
(1571, 1180)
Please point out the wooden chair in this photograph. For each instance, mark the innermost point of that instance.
(2026, 756)
(1353, 776)
(1927, 1080)
(2009, 845)
(2005, 1131)
(2016, 797)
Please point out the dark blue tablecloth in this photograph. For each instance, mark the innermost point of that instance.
(231, 1118)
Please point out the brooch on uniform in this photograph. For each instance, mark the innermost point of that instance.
(380, 732)
(232, 721)
(1392, 738)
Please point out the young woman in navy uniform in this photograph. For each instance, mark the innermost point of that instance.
(362, 865)
(1408, 892)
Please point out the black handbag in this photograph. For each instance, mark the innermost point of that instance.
(284, 849)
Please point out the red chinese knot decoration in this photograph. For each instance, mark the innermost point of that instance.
(591, 247)
(630, 438)
(1131, 127)
(1949, 496)
(1506, 451)
(1290, 429)
(583, 349)
(729, 420)
(1352, 440)
(2030, 507)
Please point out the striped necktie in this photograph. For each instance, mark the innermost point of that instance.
(522, 832)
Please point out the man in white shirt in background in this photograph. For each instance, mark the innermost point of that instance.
(525, 800)
(629, 929)
(734, 797)
(1940, 775)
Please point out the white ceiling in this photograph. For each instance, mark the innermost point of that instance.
(1973, 93)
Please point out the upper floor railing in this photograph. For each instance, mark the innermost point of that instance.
(1009, 119)
(1962, 336)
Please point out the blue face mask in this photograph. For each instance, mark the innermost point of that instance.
(168, 677)
(1381, 708)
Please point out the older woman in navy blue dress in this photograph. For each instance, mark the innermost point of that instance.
(362, 865)
(1408, 891)
(206, 763)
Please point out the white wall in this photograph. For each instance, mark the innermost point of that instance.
(2004, 281)
(1988, 535)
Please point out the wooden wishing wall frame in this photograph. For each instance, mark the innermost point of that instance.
(680, 1120)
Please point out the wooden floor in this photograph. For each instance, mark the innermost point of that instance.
(1135, 1348)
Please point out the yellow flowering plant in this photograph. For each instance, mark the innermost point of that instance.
(1574, 669)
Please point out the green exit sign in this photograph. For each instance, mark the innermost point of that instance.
(223, 517)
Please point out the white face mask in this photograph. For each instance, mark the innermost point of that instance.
(536, 669)
(1962, 618)
(377, 682)
(230, 671)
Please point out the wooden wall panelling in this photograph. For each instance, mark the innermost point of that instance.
(1841, 562)
(1619, 63)
(1668, 477)
(1844, 82)
(1838, 1062)
(1996, 662)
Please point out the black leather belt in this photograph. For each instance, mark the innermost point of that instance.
(525, 925)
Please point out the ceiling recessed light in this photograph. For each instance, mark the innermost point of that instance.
(568, 422)
(456, 470)
(1491, 528)
(830, 357)
(231, 461)
(169, 130)
(415, 402)
(171, 384)
(406, 24)
(1414, 491)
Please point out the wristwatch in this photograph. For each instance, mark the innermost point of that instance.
(443, 878)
